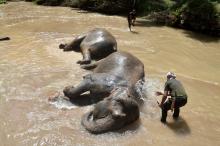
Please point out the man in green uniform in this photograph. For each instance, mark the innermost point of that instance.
(175, 89)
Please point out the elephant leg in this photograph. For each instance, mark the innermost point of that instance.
(73, 92)
(78, 39)
(73, 45)
(86, 57)
(90, 66)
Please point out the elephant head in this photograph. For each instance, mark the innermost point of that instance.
(111, 114)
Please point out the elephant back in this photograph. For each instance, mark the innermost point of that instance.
(124, 65)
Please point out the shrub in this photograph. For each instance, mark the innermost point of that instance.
(201, 15)
(3, 1)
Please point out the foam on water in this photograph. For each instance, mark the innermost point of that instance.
(62, 103)
(150, 109)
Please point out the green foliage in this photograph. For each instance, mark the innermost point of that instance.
(49, 2)
(201, 15)
(71, 3)
(104, 6)
(148, 6)
(3, 1)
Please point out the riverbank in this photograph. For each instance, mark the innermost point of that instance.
(201, 16)
(196, 15)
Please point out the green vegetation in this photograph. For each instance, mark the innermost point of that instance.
(103, 6)
(3, 1)
(146, 7)
(198, 15)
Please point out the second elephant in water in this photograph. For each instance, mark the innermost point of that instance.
(95, 44)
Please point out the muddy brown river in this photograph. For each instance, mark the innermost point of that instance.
(32, 67)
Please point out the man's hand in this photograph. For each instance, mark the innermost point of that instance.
(160, 105)
(171, 109)
(158, 93)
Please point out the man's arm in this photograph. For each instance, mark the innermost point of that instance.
(165, 94)
(173, 104)
(158, 93)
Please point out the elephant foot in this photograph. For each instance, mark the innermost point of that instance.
(62, 46)
(67, 90)
(83, 62)
(88, 66)
(54, 97)
(72, 92)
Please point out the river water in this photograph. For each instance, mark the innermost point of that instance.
(32, 67)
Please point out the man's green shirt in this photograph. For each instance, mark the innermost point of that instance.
(175, 88)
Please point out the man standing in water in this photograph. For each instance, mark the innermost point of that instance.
(175, 89)
(131, 18)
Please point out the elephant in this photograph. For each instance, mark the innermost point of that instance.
(95, 44)
(119, 69)
(115, 77)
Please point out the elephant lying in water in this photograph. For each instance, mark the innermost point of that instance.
(95, 44)
(115, 76)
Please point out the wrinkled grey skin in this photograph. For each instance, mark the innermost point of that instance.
(95, 44)
(116, 76)
(119, 69)
(111, 114)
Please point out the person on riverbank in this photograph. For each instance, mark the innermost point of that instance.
(175, 89)
(131, 18)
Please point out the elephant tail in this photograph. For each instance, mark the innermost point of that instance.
(100, 125)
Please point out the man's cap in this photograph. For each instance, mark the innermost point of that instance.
(171, 75)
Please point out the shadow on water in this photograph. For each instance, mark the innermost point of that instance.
(179, 126)
(147, 23)
(201, 37)
(188, 33)
(134, 32)
(130, 127)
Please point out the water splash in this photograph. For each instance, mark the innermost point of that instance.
(62, 103)
(150, 109)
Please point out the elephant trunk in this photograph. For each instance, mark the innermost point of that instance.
(102, 125)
